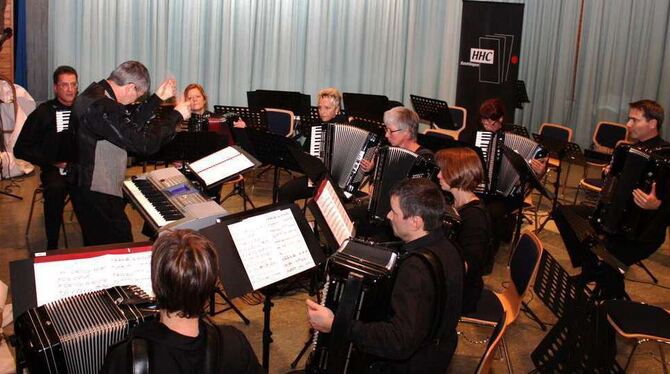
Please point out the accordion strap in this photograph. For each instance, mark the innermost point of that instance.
(439, 281)
(140, 351)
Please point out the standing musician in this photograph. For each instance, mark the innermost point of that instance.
(491, 118)
(47, 141)
(405, 341)
(460, 173)
(645, 118)
(105, 131)
(184, 272)
(330, 101)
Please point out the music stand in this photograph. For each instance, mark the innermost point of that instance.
(251, 243)
(273, 149)
(434, 111)
(564, 151)
(526, 177)
(366, 106)
(296, 102)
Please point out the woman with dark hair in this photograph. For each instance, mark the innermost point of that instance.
(184, 274)
(460, 173)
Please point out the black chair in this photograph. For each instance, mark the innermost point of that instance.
(641, 322)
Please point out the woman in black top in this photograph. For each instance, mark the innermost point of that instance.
(460, 173)
(184, 272)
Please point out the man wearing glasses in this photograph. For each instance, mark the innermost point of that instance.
(106, 128)
(46, 140)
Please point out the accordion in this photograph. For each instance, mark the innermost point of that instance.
(341, 148)
(358, 287)
(501, 179)
(393, 165)
(72, 335)
(631, 168)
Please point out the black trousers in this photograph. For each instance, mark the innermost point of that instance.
(54, 192)
(102, 217)
(295, 189)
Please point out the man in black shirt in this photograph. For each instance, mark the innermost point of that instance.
(645, 118)
(407, 341)
(106, 129)
(47, 141)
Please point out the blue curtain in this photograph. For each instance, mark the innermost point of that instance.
(19, 40)
(391, 47)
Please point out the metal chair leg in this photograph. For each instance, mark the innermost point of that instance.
(651, 275)
(30, 215)
(637, 343)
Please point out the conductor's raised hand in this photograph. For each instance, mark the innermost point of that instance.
(647, 201)
(167, 89)
(184, 108)
(320, 317)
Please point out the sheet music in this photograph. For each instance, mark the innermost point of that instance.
(221, 165)
(271, 247)
(334, 213)
(55, 280)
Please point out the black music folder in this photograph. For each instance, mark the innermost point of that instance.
(261, 247)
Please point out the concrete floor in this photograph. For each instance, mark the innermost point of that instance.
(289, 325)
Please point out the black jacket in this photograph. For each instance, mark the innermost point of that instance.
(403, 339)
(475, 238)
(40, 142)
(173, 353)
(106, 129)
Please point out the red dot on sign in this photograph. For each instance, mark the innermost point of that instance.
(515, 60)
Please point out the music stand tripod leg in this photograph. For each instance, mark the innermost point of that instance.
(304, 349)
(533, 316)
(232, 306)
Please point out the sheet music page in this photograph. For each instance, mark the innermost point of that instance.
(271, 247)
(334, 213)
(220, 165)
(55, 280)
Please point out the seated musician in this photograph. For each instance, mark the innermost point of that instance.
(195, 95)
(329, 100)
(645, 118)
(492, 118)
(460, 173)
(401, 126)
(184, 273)
(405, 341)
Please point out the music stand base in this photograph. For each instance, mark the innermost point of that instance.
(212, 306)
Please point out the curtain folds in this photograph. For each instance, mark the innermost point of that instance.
(391, 47)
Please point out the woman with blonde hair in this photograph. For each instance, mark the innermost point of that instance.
(460, 173)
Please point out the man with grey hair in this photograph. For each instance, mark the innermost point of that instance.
(106, 128)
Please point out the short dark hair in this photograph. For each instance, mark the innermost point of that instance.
(650, 110)
(419, 197)
(132, 72)
(184, 272)
(492, 109)
(64, 69)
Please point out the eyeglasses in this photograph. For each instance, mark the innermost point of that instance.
(389, 131)
(68, 84)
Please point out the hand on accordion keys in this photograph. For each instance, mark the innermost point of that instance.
(320, 317)
(539, 166)
(647, 201)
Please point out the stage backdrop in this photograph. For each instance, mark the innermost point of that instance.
(489, 55)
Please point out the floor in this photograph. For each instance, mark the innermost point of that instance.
(288, 319)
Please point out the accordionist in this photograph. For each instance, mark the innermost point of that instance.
(645, 118)
(491, 118)
(47, 140)
(329, 101)
(411, 339)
